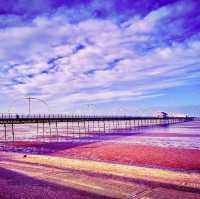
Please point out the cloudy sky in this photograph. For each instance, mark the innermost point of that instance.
(100, 56)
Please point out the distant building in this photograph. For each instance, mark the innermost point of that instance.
(179, 115)
(162, 115)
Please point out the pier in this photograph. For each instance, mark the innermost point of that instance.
(75, 126)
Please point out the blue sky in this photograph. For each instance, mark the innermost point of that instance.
(96, 56)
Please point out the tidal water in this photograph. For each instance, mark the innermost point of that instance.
(183, 135)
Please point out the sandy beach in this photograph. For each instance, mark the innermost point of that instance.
(136, 155)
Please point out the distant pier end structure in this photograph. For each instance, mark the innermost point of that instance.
(48, 127)
(163, 115)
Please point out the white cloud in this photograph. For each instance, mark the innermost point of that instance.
(108, 66)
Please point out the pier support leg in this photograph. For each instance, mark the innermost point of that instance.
(118, 125)
(13, 133)
(126, 126)
(114, 125)
(88, 127)
(67, 128)
(50, 128)
(43, 129)
(84, 127)
(5, 132)
(73, 132)
(37, 130)
(57, 130)
(93, 126)
(79, 130)
(99, 129)
(130, 125)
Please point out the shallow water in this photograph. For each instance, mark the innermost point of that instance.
(183, 135)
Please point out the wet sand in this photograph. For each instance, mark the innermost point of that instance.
(124, 153)
(136, 155)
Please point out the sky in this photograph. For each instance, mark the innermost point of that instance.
(133, 57)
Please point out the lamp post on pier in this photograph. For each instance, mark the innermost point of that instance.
(33, 98)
